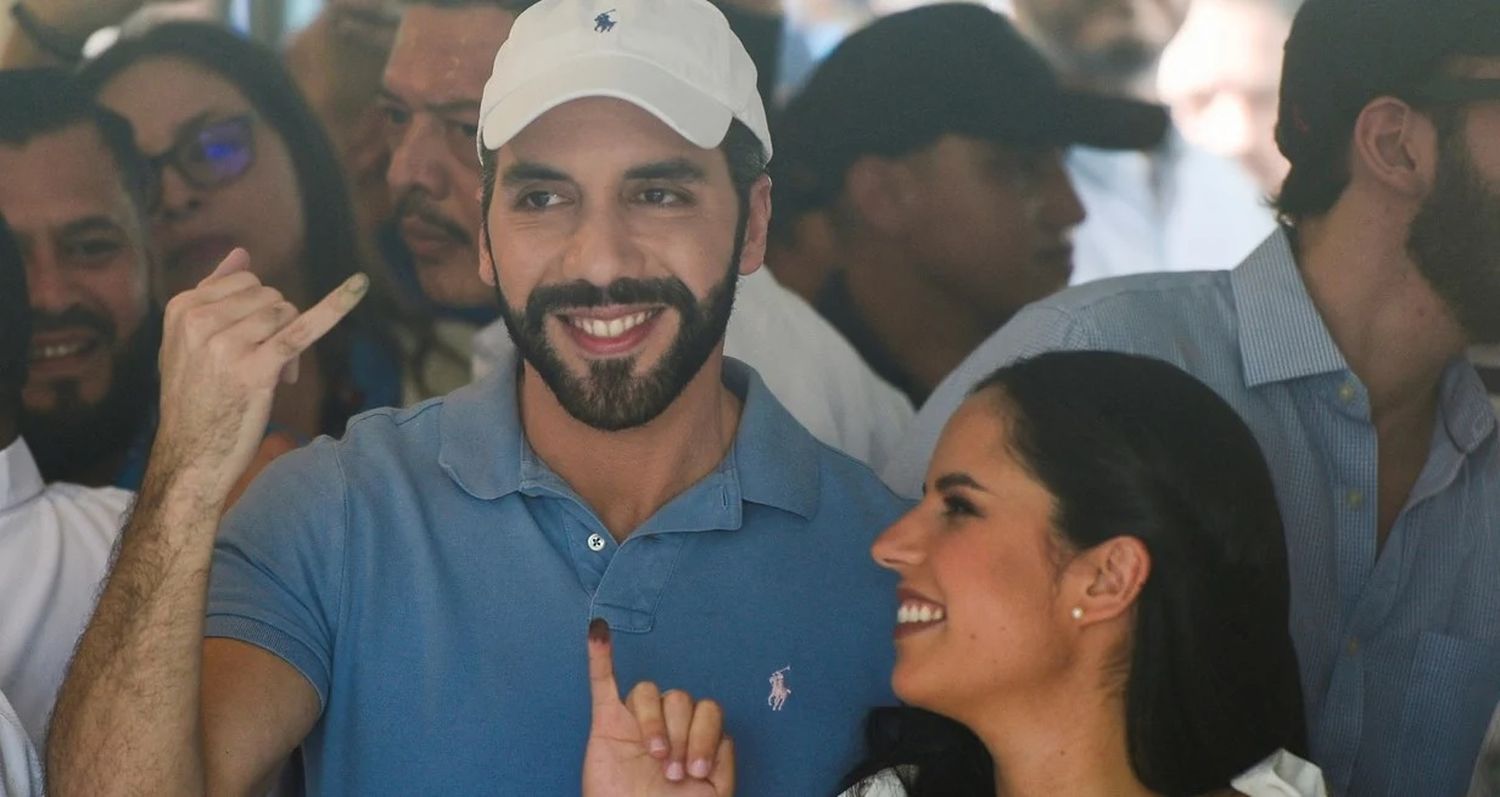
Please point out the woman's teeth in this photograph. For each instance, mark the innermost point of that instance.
(913, 612)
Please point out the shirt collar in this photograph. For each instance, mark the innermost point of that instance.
(1467, 412)
(1282, 335)
(774, 461)
(20, 481)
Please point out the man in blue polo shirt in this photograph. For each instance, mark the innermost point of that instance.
(1341, 343)
(410, 604)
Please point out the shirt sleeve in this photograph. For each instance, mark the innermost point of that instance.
(277, 580)
(20, 770)
(1034, 330)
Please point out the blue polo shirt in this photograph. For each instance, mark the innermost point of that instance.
(433, 579)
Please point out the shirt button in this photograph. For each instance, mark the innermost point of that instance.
(1346, 392)
(1354, 499)
(596, 543)
(1353, 646)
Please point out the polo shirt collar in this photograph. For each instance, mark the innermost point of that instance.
(1282, 335)
(20, 481)
(773, 461)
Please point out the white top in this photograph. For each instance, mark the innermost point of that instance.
(20, 771)
(55, 544)
(1177, 208)
(1281, 775)
(807, 364)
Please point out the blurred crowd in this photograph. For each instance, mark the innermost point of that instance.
(1136, 361)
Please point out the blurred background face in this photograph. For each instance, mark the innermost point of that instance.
(991, 224)
(85, 261)
(432, 87)
(177, 106)
(981, 621)
(1103, 37)
(1221, 76)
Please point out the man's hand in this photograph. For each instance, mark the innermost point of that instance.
(224, 345)
(653, 744)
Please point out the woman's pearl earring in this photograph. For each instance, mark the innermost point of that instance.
(1077, 612)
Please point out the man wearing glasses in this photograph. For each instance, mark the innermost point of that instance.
(73, 193)
(1341, 342)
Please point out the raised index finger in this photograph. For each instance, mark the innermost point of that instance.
(308, 328)
(602, 684)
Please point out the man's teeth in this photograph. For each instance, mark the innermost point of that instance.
(919, 613)
(614, 328)
(57, 350)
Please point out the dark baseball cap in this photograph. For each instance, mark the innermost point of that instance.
(1344, 53)
(907, 79)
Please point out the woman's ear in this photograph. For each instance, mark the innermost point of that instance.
(1105, 580)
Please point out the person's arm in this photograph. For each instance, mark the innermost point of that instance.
(149, 707)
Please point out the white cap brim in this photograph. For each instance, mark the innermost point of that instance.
(695, 116)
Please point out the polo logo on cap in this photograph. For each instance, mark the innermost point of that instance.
(604, 23)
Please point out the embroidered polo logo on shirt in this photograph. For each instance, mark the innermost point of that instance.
(779, 690)
(604, 23)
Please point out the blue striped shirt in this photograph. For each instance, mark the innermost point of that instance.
(1400, 647)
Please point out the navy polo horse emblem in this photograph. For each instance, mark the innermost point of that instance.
(604, 23)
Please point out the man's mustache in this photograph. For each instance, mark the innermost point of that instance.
(71, 319)
(415, 203)
(548, 300)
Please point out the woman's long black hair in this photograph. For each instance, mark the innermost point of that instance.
(1133, 446)
(332, 251)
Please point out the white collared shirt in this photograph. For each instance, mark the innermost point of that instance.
(820, 379)
(55, 543)
(20, 771)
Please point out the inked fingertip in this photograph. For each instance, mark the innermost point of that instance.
(599, 631)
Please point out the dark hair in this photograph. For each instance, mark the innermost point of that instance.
(40, 102)
(15, 322)
(743, 151)
(1131, 445)
(332, 251)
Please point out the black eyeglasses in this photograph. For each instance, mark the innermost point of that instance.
(208, 154)
(1457, 90)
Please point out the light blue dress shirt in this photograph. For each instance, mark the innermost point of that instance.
(433, 579)
(1399, 648)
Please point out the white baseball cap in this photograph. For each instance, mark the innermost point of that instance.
(677, 59)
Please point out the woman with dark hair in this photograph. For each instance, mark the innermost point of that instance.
(1093, 601)
(241, 161)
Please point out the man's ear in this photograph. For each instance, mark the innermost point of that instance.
(757, 226)
(487, 273)
(1395, 146)
(878, 189)
(1105, 581)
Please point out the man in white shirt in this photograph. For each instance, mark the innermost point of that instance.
(1172, 209)
(430, 94)
(55, 540)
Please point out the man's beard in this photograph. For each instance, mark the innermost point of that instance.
(71, 439)
(612, 398)
(1455, 241)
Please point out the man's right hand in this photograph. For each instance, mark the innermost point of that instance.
(224, 345)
